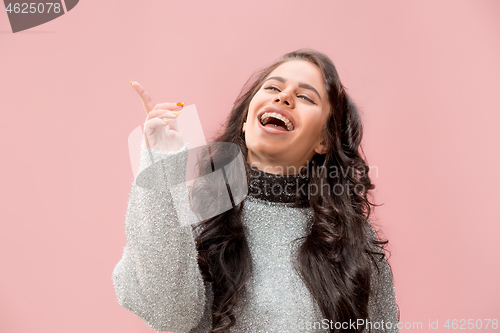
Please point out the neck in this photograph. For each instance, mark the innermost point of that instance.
(292, 188)
(276, 167)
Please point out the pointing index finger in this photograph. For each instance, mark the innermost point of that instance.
(147, 102)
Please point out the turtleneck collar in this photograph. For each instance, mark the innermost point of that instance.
(278, 188)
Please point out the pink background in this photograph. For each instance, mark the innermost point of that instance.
(426, 75)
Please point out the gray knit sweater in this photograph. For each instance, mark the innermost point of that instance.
(158, 278)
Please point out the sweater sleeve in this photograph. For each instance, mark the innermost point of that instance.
(158, 278)
(383, 310)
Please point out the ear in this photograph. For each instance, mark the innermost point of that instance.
(244, 126)
(321, 148)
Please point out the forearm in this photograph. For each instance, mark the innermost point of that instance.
(158, 278)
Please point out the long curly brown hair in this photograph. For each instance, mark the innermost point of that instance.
(335, 258)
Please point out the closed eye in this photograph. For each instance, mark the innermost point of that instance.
(272, 88)
(306, 98)
(299, 96)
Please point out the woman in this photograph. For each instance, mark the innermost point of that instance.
(279, 261)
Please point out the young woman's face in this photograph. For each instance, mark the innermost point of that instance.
(295, 91)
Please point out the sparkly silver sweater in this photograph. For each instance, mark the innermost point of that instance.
(158, 278)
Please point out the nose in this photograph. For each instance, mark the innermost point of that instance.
(282, 97)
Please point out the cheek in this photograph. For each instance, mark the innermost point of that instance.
(311, 130)
(313, 123)
(251, 107)
(258, 98)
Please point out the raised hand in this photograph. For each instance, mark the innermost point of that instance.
(160, 128)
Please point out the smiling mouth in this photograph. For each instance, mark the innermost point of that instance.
(273, 119)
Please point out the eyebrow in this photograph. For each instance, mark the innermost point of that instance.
(301, 84)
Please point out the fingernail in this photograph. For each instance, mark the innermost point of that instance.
(180, 104)
(166, 120)
(131, 84)
(176, 113)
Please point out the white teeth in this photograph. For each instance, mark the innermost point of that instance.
(287, 122)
